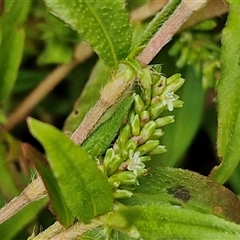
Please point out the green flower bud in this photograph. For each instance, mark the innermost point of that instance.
(141, 173)
(110, 154)
(124, 135)
(173, 78)
(139, 105)
(135, 125)
(158, 150)
(173, 86)
(157, 134)
(159, 86)
(147, 131)
(121, 194)
(145, 158)
(146, 79)
(147, 96)
(164, 121)
(148, 146)
(130, 145)
(144, 117)
(123, 178)
(156, 109)
(113, 165)
(178, 104)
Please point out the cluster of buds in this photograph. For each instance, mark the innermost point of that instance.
(138, 138)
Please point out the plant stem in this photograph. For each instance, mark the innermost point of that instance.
(107, 98)
(33, 192)
(166, 32)
(57, 231)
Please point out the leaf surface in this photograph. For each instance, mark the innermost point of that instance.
(84, 187)
(188, 190)
(228, 89)
(103, 24)
(171, 222)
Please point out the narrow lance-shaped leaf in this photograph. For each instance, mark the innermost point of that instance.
(85, 189)
(63, 214)
(103, 24)
(228, 140)
(98, 142)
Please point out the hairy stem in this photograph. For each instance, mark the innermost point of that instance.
(33, 192)
(57, 231)
(166, 32)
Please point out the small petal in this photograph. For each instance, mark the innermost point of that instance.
(135, 163)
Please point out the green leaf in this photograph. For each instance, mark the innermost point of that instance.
(85, 189)
(12, 36)
(177, 136)
(88, 98)
(171, 222)
(103, 24)
(64, 215)
(99, 141)
(188, 190)
(228, 141)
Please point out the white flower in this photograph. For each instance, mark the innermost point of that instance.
(168, 100)
(135, 163)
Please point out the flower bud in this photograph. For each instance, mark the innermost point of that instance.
(173, 78)
(124, 135)
(158, 150)
(147, 131)
(164, 121)
(110, 154)
(156, 109)
(178, 104)
(130, 145)
(174, 85)
(113, 165)
(139, 105)
(148, 146)
(135, 125)
(121, 194)
(145, 158)
(147, 96)
(123, 178)
(157, 134)
(159, 86)
(144, 117)
(146, 79)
